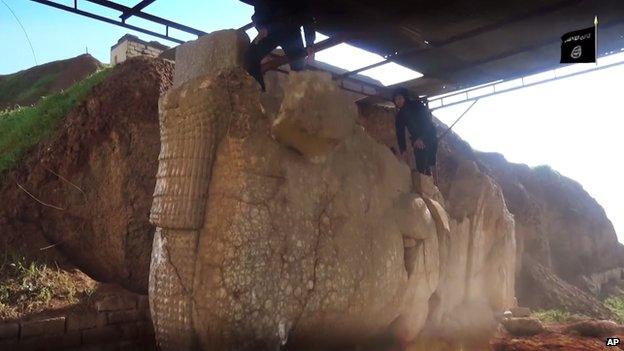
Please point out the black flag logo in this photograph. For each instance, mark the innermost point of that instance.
(579, 46)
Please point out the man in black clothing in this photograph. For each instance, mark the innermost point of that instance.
(278, 23)
(415, 116)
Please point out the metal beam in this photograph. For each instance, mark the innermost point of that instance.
(495, 92)
(505, 22)
(409, 53)
(137, 8)
(275, 62)
(75, 10)
(247, 26)
(152, 18)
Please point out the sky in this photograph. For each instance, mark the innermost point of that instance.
(575, 124)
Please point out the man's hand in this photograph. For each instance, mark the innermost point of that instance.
(419, 144)
(262, 33)
(310, 57)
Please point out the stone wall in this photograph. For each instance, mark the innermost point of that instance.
(118, 53)
(116, 322)
(138, 49)
(128, 49)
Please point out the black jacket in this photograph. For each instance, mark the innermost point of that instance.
(268, 13)
(416, 117)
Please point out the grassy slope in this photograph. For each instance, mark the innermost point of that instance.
(30, 286)
(613, 303)
(14, 88)
(23, 128)
(616, 305)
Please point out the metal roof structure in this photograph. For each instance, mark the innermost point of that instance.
(455, 44)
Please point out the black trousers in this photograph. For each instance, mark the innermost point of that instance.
(286, 36)
(426, 158)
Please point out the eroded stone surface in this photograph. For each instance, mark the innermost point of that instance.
(523, 326)
(314, 122)
(315, 246)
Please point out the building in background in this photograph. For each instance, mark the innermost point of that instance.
(131, 46)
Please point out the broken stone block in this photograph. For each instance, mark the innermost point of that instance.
(423, 185)
(439, 215)
(315, 114)
(593, 328)
(520, 311)
(209, 55)
(115, 303)
(410, 212)
(523, 326)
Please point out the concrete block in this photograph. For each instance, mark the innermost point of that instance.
(9, 330)
(117, 317)
(9, 344)
(129, 331)
(48, 326)
(59, 342)
(209, 55)
(131, 346)
(81, 321)
(100, 335)
(71, 339)
(116, 303)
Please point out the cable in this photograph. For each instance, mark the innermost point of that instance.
(24, 30)
(460, 117)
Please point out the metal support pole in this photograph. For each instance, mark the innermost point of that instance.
(247, 26)
(457, 120)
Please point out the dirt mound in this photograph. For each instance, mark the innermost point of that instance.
(27, 87)
(32, 288)
(567, 230)
(552, 341)
(555, 339)
(97, 177)
(561, 228)
(540, 287)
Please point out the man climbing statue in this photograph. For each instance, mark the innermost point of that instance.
(279, 23)
(415, 116)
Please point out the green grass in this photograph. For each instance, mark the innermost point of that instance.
(15, 88)
(28, 286)
(23, 128)
(616, 305)
(552, 316)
